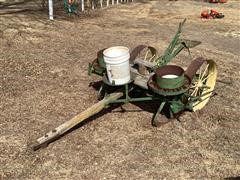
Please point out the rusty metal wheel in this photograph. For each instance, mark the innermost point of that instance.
(143, 52)
(147, 54)
(143, 56)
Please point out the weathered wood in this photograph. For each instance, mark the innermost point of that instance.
(57, 132)
(140, 80)
(144, 63)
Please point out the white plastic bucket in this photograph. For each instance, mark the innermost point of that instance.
(117, 64)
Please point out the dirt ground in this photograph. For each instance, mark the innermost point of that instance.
(44, 82)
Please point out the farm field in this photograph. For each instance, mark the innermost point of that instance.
(44, 82)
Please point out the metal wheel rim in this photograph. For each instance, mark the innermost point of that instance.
(208, 80)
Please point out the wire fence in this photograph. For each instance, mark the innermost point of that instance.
(70, 6)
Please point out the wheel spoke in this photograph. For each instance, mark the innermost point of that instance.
(206, 77)
(198, 92)
(146, 55)
(199, 84)
(200, 72)
(204, 72)
(151, 58)
(195, 85)
(204, 87)
(194, 91)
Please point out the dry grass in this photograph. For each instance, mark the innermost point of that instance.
(44, 82)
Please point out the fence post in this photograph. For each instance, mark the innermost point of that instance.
(93, 5)
(50, 9)
(82, 5)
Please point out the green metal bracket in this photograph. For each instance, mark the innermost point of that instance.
(170, 53)
(176, 107)
(126, 93)
(159, 110)
(128, 99)
(90, 69)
